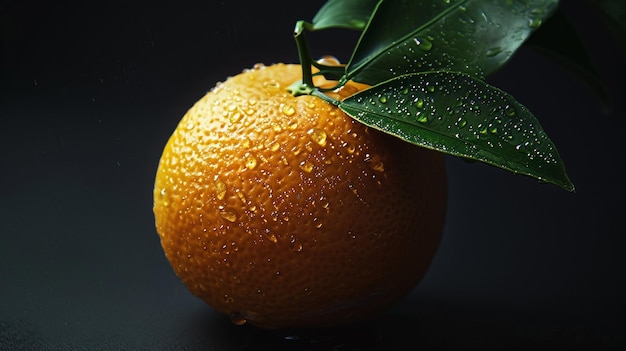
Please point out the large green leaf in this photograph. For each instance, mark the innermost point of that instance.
(350, 14)
(471, 36)
(463, 116)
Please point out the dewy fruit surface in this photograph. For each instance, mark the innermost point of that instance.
(284, 212)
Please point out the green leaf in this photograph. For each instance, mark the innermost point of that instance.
(350, 14)
(471, 36)
(615, 10)
(613, 16)
(463, 116)
(559, 40)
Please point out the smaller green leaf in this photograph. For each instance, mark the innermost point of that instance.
(615, 11)
(350, 14)
(463, 116)
(559, 40)
(613, 16)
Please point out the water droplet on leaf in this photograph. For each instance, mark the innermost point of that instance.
(509, 110)
(421, 117)
(534, 23)
(493, 51)
(423, 44)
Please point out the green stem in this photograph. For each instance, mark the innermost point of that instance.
(306, 86)
(320, 94)
(303, 54)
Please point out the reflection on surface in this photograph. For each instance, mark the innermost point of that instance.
(362, 337)
(424, 324)
(421, 322)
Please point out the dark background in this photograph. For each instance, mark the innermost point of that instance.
(89, 94)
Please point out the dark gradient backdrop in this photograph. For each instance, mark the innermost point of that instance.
(89, 93)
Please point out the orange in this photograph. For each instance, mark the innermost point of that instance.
(284, 212)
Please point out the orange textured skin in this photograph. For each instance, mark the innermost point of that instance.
(284, 212)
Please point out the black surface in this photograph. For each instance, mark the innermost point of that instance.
(88, 97)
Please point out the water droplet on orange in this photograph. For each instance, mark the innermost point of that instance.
(329, 60)
(350, 148)
(318, 136)
(228, 214)
(374, 162)
(220, 188)
(288, 110)
(271, 237)
(234, 117)
(306, 166)
(241, 197)
(272, 84)
(251, 162)
(274, 147)
(237, 318)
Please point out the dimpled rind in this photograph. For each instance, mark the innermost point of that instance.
(284, 212)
